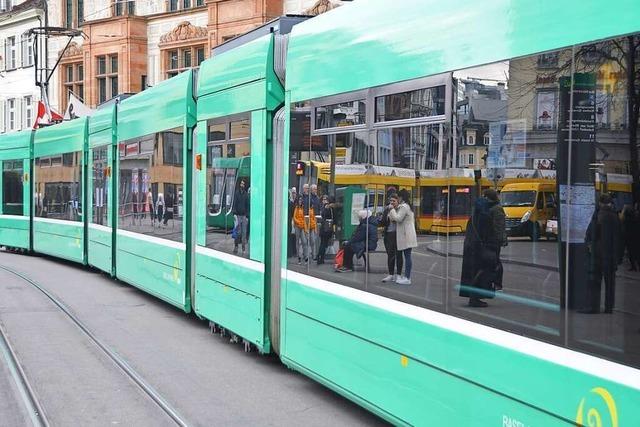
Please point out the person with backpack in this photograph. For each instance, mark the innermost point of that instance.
(481, 268)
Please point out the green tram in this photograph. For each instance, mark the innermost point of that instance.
(134, 191)
(227, 173)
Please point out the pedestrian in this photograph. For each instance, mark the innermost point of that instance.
(291, 244)
(363, 239)
(604, 240)
(241, 215)
(406, 238)
(631, 233)
(169, 208)
(314, 202)
(394, 260)
(135, 206)
(326, 228)
(160, 208)
(150, 207)
(302, 223)
(485, 235)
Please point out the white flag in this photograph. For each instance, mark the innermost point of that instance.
(76, 108)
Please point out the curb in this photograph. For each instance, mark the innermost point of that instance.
(504, 260)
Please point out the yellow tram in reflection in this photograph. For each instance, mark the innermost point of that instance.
(446, 199)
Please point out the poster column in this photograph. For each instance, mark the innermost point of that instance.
(576, 187)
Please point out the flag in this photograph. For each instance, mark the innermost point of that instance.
(42, 114)
(76, 108)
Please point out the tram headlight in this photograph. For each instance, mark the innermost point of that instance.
(526, 216)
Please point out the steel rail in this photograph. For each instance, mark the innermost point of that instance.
(119, 361)
(31, 402)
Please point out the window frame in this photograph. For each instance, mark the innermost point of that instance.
(109, 76)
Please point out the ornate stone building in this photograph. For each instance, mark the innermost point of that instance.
(127, 45)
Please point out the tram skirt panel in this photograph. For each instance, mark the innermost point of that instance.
(14, 231)
(62, 239)
(154, 265)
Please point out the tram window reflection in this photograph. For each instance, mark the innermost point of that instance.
(228, 210)
(101, 178)
(603, 249)
(150, 194)
(58, 187)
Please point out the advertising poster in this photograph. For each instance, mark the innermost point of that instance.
(508, 147)
(546, 110)
(577, 205)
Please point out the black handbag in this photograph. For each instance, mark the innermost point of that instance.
(327, 225)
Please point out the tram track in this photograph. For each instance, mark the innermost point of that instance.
(27, 393)
(28, 396)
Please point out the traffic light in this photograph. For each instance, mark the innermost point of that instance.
(300, 168)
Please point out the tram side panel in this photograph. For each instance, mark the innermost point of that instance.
(234, 108)
(100, 194)
(15, 197)
(152, 193)
(59, 190)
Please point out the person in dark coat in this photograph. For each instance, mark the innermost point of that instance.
(485, 235)
(241, 212)
(604, 240)
(326, 227)
(364, 238)
(631, 233)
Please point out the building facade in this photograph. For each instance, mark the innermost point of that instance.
(18, 92)
(126, 46)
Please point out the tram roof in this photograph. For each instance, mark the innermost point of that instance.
(167, 105)
(367, 43)
(15, 145)
(103, 118)
(61, 138)
(13, 140)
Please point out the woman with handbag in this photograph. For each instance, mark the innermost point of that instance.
(485, 235)
(326, 228)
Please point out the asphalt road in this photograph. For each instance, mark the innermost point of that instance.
(207, 379)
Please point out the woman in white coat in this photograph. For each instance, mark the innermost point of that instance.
(406, 238)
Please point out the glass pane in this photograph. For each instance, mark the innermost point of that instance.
(505, 270)
(228, 187)
(58, 187)
(186, 4)
(102, 65)
(240, 129)
(604, 234)
(100, 177)
(80, 72)
(340, 115)
(151, 188)
(199, 54)
(417, 147)
(218, 132)
(114, 86)
(186, 58)
(102, 89)
(173, 5)
(410, 105)
(12, 196)
(69, 76)
(173, 59)
(114, 63)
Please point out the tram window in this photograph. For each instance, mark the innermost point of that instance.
(410, 105)
(58, 187)
(602, 294)
(12, 196)
(150, 184)
(101, 178)
(342, 114)
(229, 184)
